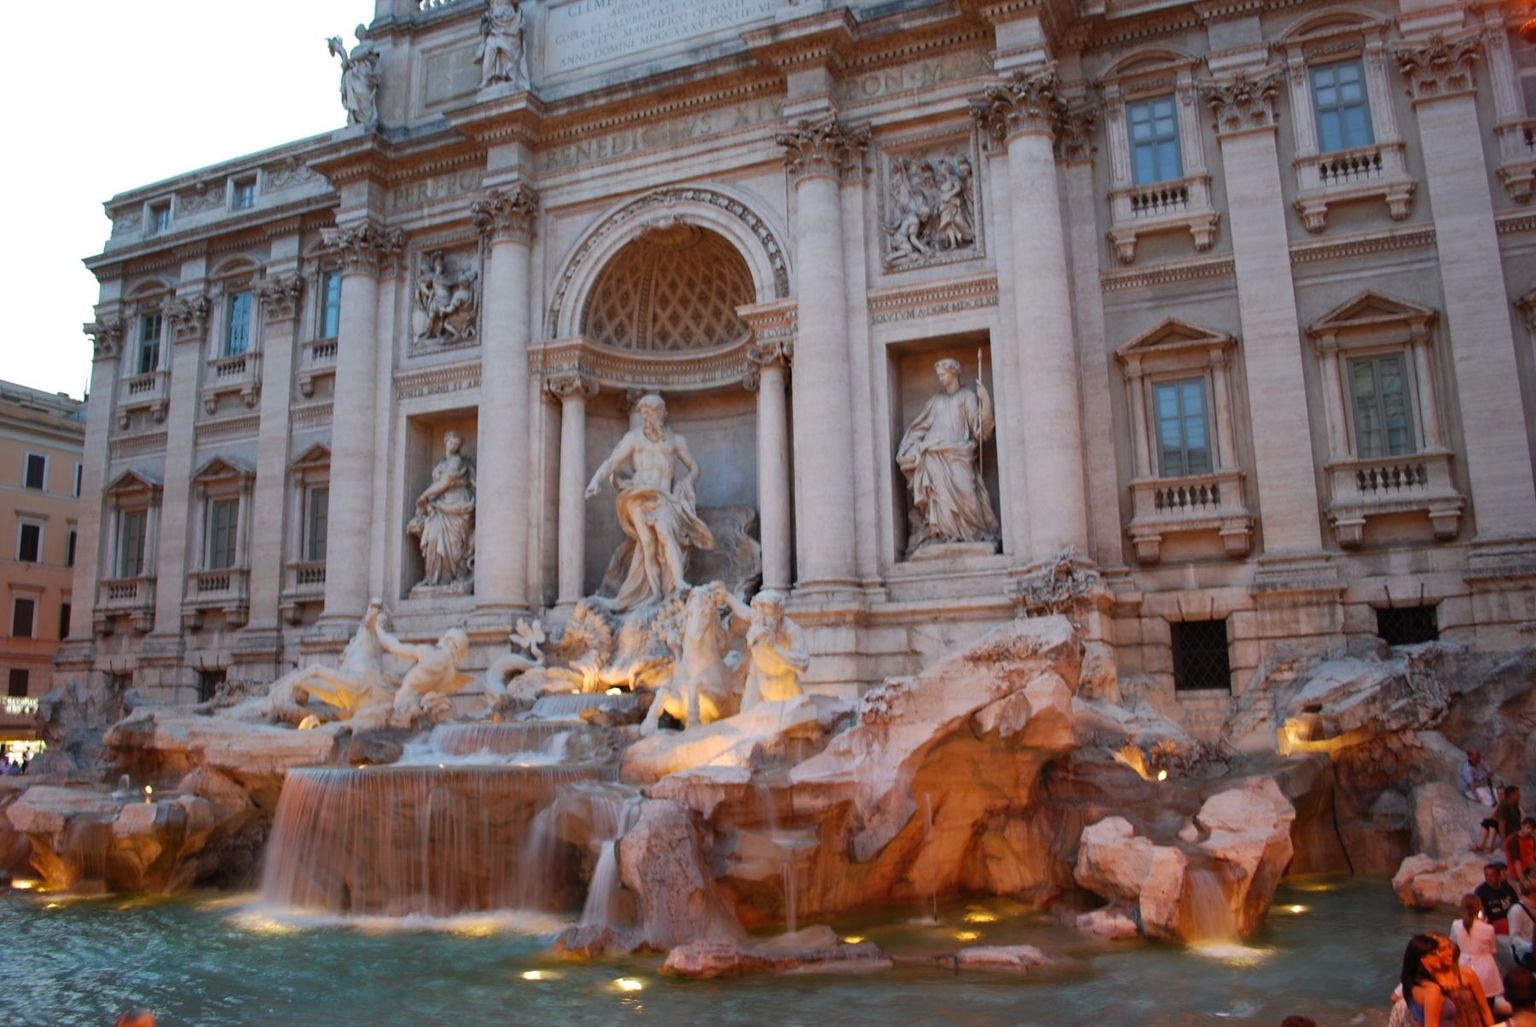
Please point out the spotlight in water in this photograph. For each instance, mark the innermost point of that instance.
(1162, 775)
(54, 905)
(967, 935)
(537, 975)
(1295, 909)
(24, 885)
(853, 939)
(981, 917)
(149, 793)
(614, 691)
(628, 984)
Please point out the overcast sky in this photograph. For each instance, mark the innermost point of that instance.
(103, 96)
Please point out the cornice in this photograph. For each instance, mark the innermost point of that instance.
(518, 117)
(1413, 237)
(1172, 273)
(825, 37)
(168, 250)
(906, 303)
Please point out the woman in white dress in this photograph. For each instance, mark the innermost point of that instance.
(1476, 939)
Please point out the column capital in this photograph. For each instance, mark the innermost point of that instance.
(507, 213)
(1074, 133)
(824, 146)
(771, 352)
(281, 297)
(1438, 66)
(106, 337)
(1027, 102)
(188, 318)
(571, 386)
(1243, 102)
(364, 248)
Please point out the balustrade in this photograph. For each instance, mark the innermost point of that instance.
(1182, 204)
(1186, 505)
(317, 360)
(1363, 173)
(1364, 488)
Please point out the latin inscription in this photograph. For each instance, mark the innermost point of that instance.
(655, 135)
(428, 190)
(920, 75)
(597, 31)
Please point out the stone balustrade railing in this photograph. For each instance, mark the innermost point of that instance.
(1364, 172)
(1179, 204)
(1190, 504)
(305, 583)
(1156, 200)
(223, 589)
(1364, 488)
(1350, 166)
(317, 358)
(130, 597)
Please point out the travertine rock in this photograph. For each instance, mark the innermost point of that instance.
(1012, 958)
(1250, 834)
(1108, 924)
(770, 732)
(1423, 882)
(662, 860)
(813, 950)
(1131, 872)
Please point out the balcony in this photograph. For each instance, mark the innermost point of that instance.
(133, 598)
(239, 375)
(304, 583)
(225, 590)
(1421, 482)
(1347, 176)
(151, 391)
(317, 360)
(1517, 158)
(1187, 505)
(1175, 205)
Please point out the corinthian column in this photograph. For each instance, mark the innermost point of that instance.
(188, 317)
(1022, 115)
(573, 391)
(506, 217)
(363, 249)
(771, 359)
(819, 154)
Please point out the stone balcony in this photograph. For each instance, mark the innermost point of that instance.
(317, 360)
(1420, 482)
(151, 392)
(226, 590)
(237, 375)
(1346, 176)
(1187, 505)
(1175, 205)
(304, 583)
(1517, 158)
(133, 598)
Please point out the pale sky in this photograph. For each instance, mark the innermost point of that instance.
(103, 96)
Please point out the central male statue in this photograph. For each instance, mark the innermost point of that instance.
(656, 512)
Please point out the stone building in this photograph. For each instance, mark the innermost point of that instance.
(1250, 285)
(42, 436)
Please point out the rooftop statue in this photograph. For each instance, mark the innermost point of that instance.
(939, 455)
(655, 508)
(445, 518)
(359, 78)
(503, 53)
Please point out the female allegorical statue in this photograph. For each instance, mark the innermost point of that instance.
(445, 518)
(938, 455)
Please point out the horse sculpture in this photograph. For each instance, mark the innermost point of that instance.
(704, 687)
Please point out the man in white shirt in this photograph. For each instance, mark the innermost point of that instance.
(1522, 925)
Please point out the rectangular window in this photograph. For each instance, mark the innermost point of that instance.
(159, 218)
(149, 343)
(330, 305)
(1183, 432)
(237, 332)
(29, 542)
(1343, 109)
(1408, 625)
(316, 520)
(208, 682)
(223, 519)
(69, 548)
(16, 683)
(63, 620)
(131, 527)
(244, 195)
(1154, 126)
(1200, 661)
(36, 474)
(1383, 417)
(23, 613)
(79, 471)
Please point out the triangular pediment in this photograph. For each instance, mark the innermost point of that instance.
(1371, 309)
(131, 483)
(1172, 335)
(316, 455)
(222, 468)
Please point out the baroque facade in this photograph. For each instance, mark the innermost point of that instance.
(1249, 290)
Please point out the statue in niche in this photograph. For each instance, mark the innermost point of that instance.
(359, 78)
(445, 518)
(931, 207)
(503, 53)
(776, 649)
(939, 455)
(655, 507)
(446, 302)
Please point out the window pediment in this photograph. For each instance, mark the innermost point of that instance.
(316, 457)
(223, 470)
(1374, 313)
(132, 485)
(1173, 337)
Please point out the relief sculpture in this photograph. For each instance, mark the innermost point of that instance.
(446, 301)
(930, 209)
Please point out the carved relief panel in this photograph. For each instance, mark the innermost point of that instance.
(930, 202)
(445, 299)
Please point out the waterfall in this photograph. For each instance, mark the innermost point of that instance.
(1207, 914)
(610, 811)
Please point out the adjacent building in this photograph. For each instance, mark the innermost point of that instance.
(1252, 287)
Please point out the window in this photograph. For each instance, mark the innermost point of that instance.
(159, 218)
(223, 519)
(23, 613)
(63, 620)
(208, 682)
(69, 548)
(316, 517)
(149, 344)
(36, 474)
(1183, 435)
(1200, 655)
(1378, 387)
(243, 195)
(237, 330)
(29, 542)
(79, 470)
(1154, 129)
(131, 528)
(1408, 625)
(330, 305)
(1343, 111)
(16, 683)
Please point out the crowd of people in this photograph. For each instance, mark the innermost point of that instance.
(10, 767)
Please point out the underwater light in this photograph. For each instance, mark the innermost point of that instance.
(614, 691)
(1162, 775)
(149, 793)
(628, 984)
(1296, 909)
(967, 935)
(537, 975)
(981, 917)
(853, 939)
(26, 884)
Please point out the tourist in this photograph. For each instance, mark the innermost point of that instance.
(1435, 991)
(1520, 992)
(1477, 780)
(1520, 851)
(1508, 813)
(1472, 933)
(136, 1018)
(1497, 897)
(1522, 926)
(1298, 1021)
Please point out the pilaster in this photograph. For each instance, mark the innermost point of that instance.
(573, 391)
(188, 320)
(107, 343)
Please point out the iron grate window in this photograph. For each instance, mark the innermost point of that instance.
(1408, 625)
(208, 683)
(1200, 660)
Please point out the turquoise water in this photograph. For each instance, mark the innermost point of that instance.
(209, 961)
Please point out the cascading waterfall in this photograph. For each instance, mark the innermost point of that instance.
(611, 811)
(1207, 913)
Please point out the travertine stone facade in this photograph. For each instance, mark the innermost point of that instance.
(1249, 286)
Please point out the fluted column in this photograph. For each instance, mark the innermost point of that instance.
(573, 391)
(363, 250)
(507, 218)
(1022, 114)
(107, 335)
(771, 360)
(819, 153)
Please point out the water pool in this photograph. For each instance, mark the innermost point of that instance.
(1331, 951)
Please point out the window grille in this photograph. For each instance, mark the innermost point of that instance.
(1200, 660)
(1408, 625)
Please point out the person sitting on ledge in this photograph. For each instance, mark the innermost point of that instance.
(1497, 897)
